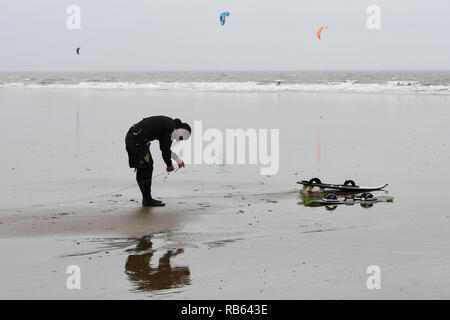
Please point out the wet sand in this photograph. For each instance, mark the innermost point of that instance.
(227, 232)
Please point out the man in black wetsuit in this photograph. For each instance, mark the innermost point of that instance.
(137, 141)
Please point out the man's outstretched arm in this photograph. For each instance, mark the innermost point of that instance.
(164, 146)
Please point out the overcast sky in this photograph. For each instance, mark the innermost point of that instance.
(258, 35)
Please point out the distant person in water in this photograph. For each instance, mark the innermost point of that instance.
(137, 141)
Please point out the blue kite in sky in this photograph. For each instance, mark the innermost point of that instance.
(223, 15)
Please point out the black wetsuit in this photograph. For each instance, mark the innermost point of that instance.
(137, 143)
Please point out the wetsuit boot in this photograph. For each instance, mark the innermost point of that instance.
(149, 201)
(152, 203)
(144, 180)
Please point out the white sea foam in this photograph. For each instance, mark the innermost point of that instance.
(249, 86)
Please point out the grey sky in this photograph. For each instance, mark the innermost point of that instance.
(258, 34)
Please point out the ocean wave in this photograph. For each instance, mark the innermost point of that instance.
(249, 86)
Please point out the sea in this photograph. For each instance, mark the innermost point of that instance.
(428, 82)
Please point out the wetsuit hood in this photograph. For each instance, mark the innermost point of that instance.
(180, 134)
(182, 130)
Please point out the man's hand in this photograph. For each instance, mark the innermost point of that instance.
(170, 168)
(181, 164)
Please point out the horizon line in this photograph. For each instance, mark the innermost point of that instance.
(236, 70)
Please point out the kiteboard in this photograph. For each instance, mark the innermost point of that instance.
(349, 185)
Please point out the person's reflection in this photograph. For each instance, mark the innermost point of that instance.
(147, 278)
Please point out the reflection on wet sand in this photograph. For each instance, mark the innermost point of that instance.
(147, 278)
(305, 196)
(332, 207)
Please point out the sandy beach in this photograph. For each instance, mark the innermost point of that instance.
(227, 232)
